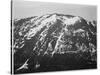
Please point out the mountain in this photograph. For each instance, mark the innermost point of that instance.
(54, 42)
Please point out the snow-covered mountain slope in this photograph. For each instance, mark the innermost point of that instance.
(53, 34)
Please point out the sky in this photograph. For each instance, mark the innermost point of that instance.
(24, 9)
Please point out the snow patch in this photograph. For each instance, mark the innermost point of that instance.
(71, 21)
(24, 66)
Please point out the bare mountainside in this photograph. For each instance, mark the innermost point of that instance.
(54, 42)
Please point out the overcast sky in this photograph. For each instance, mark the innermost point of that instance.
(22, 9)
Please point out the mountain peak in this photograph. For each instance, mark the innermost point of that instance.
(53, 34)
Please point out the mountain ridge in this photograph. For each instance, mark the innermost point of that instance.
(52, 34)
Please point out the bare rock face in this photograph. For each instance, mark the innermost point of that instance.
(53, 42)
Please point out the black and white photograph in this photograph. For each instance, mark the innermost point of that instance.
(50, 37)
